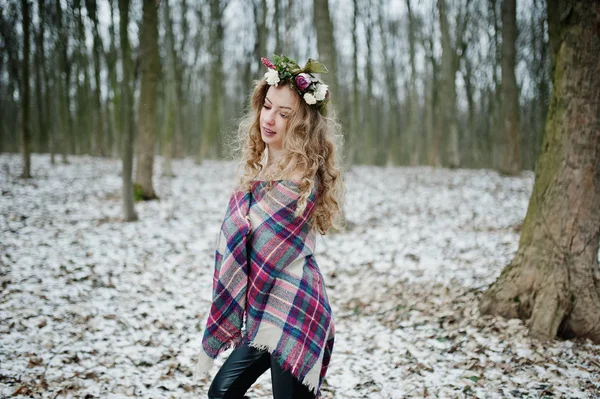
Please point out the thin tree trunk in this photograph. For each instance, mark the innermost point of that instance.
(42, 129)
(63, 77)
(448, 87)
(413, 117)
(171, 94)
(473, 138)
(356, 120)
(370, 134)
(127, 108)
(326, 44)
(510, 103)
(432, 119)
(25, 152)
(214, 119)
(554, 278)
(98, 117)
(277, 20)
(150, 68)
(390, 148)
(113, 102)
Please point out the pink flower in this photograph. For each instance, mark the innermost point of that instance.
(267, 63)
(303, 81)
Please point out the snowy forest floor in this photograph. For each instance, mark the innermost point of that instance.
(92, 307)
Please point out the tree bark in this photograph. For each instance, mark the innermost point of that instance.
(326, 44)
(214, 117)
(448, 87)
(98, 142)
(171, 105)
(355, 130)
(554, 278)
(41, 144)
(25, 151)
(63, 79)
(413, 135)
(150, 68)
(113, 103)
(510, 103)
(127, 108)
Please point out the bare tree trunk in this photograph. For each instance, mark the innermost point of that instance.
(370, 136)
(259, 8)
(510, 103)
(127, 108)
(277, 20)
(214, 119)
(171, 92)
(63, 78)
(150, 66)
(432, 120)
(473, 137)
(326, 44)
(25, 152)
(113, 103)
(48, 136)
(355, 131)
(450, 62)
(554, 279)
(448, 87)
(42, 130)
(98, 117)
(413, 118)
(289, 23)
(84, 132)
(391, 147)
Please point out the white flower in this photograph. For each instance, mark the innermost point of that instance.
(310, 99)
(272, 77)
(321, 92)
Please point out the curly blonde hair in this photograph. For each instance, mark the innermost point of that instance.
(311, 143)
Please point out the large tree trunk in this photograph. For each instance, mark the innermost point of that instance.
(25, 173)
(126, 108)
(510, 102)
(150, 66)
(554, 279)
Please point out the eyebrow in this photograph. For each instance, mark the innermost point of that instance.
(267, 98)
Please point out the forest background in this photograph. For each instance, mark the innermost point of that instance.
(414, 82)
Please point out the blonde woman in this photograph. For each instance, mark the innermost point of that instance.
(269, 299)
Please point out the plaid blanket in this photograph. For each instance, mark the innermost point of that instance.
(266, 275)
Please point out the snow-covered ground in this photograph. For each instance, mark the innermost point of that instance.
(91, 307)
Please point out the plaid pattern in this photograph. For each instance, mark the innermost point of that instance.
(265, 271)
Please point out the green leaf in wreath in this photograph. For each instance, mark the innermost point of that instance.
(313, 66)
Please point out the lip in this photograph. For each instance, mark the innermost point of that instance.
(269, 131)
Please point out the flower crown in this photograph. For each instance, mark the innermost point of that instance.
(301, 79)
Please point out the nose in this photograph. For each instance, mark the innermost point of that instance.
(270, 117)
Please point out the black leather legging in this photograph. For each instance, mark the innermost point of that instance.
(242, 369)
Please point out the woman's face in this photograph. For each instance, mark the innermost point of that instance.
(278, 106)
